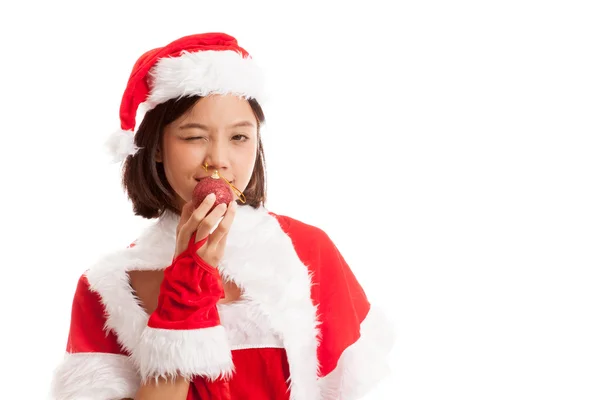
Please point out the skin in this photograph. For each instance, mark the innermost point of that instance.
(231, 150)
(220, 130)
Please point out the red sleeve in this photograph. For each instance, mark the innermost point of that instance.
(87, 333)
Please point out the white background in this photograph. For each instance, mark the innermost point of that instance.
(450, 149)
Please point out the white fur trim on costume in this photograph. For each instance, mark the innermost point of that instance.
(166, 353)
(247, 326)
(94, 376)
(154, 250)
(120, 145)
(363, 364)
(203, 73)
(260, 257)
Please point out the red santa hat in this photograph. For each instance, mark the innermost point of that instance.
(202, 64)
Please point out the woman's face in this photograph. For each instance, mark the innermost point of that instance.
(219, 130)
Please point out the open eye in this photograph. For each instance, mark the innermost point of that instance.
(240, 138)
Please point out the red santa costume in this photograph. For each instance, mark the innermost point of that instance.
(303, 328)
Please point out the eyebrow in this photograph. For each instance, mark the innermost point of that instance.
(196, 125)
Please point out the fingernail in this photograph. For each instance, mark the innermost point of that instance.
(211, 196)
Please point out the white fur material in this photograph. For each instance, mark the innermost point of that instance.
(363, 364)
(94, 376)
(259, 257)
(199, 73)
(247, 326)
(154, 250)
(203, 73)
(170, 353)
(120, 145)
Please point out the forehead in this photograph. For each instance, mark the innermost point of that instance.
(220, 109)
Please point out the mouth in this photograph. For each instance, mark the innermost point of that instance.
(198, 179)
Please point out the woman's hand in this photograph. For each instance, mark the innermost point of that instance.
(202, 222)
(184, 336)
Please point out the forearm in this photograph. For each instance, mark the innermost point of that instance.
(164, 389)
(183, 338)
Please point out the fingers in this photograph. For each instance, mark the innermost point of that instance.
(194, 217)
(220, 234)
(208, 223)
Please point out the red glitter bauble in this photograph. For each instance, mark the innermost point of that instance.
(209, 185)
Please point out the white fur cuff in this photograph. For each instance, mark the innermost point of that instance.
(164, 353)
(94, 376)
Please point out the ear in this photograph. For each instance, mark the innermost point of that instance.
(158, 156)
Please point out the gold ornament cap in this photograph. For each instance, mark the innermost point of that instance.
(217, 175)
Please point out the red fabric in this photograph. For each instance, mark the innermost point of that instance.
(137, 89)
(260, 374)
(263, 373)
(189, 293)
(342, 303)
(202, 389)
(342, 306)
(86, 333)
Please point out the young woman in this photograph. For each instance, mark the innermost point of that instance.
(226, 302)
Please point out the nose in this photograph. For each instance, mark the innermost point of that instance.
(216, 156)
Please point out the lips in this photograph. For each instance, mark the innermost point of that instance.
(198, 179)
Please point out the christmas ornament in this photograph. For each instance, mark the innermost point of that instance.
(217, 184)
(212, 184)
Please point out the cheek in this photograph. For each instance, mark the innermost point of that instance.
(247, 157)
(178, 163)
(246, 161)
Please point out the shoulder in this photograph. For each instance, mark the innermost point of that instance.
(301, 232)
(88, 304)
(314, 247)
(151, 251)
(84, 294)
(88, 331)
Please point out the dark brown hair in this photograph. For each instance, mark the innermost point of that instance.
(144, 179)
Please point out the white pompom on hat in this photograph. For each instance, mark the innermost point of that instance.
(202, 64)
